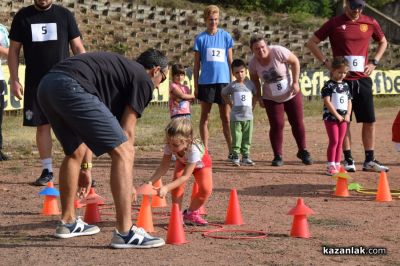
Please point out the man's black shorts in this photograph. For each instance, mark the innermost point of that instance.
(363, 100)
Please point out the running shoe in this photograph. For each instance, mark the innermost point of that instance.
(305, 157)
(277, 161)
(136, 238)
(44, 178)
(374, 166)
(331, 170)
(349, 165)
(193, 218)
(78, 228)
(247, 161)
(235, 160)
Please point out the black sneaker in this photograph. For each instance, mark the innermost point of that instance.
(78, 228)
(231, 157)
(3, 157)
(136, 238)
(44, 178)
(305, 157)
(277, 161)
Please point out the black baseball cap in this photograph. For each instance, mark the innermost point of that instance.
(354, 4)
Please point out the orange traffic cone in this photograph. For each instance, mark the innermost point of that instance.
(300, 224)
(50, 205)
(92, 213)
(176, 234)
(233, 213)
(383, 193)
(156, 201)
(195, 189)
(145, 218)
(341, 183)
(77, 204)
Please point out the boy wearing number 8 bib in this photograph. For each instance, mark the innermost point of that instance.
(336, 113)
(239, 95)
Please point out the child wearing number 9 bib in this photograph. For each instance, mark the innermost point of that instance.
(239, 95)
(336, 112)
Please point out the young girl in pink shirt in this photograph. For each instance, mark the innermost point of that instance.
(179, 94)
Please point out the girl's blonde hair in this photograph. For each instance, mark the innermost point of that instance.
(180, 129)
(210, 10)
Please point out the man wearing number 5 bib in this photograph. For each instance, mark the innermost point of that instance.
(349, 35)
(45, 31)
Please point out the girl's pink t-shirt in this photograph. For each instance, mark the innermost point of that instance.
(275, 76)
(177, 107)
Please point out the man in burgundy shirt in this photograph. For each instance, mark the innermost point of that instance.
(349, 35)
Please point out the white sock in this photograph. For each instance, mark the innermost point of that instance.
(337, 165)
(330, 164)
(47, 164)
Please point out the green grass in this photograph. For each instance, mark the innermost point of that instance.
(20, 141)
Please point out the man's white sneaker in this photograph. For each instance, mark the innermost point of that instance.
(374, 166)
(349, 165)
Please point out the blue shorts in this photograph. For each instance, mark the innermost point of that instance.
(77, 116)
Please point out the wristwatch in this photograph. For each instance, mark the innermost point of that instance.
(86, 166)
(375, 62)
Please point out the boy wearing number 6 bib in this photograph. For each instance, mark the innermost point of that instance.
(336, 113)
(239, 95)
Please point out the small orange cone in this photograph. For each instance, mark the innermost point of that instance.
(300, 224)
(50, 205)
(341, 183)
(195, 189)
(383, 193)
(156, 201)
(145, 218)
(176, 234)
(233, 213)
(92, 213)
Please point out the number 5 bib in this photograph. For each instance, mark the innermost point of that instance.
(356, 62)
(44, 32)
(279, 88)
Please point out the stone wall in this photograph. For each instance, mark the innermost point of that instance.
(124, 25)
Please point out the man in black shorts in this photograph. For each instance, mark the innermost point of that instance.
(350, 35)
(93, 100)
(45, 31)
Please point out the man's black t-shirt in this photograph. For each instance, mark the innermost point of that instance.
(116, 80)
(45, 37)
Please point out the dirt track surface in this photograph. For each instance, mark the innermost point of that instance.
(265, 194)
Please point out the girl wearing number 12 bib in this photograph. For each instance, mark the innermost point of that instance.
(336, 112)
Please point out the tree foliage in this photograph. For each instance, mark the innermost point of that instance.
(319, 8)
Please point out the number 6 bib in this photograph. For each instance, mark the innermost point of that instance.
(356, 62)
(279, 88)
(339, 101)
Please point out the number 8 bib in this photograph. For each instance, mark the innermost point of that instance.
(279, 88)
(242, 98)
